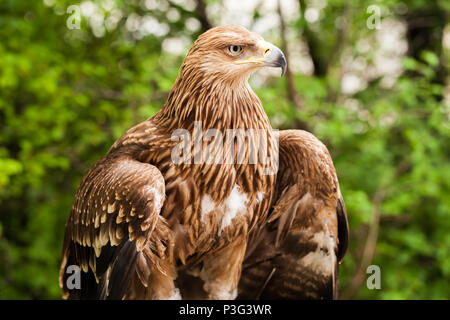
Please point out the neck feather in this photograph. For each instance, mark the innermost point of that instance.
(216, 103)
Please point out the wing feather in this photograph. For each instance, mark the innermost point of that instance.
(116, 208)
(296, 254)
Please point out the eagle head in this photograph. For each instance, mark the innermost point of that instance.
(232, 54)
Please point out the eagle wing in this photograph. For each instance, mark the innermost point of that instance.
(115, 211)
(297, 253)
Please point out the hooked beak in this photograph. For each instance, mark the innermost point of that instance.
(271, 56)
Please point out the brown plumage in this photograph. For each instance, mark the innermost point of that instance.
(144, 226)
(297, 254)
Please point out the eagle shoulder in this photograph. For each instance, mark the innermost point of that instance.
(306, 234)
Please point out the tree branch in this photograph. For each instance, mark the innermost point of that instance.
(293, 95)
(372, 236)
(202, 15)
(369, 247)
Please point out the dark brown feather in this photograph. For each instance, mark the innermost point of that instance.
(103, 233)
(296, 256)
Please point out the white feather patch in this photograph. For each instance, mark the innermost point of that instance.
(207, 205)
(321, 261)
(176, 295)
(259, 196)
(235, 204)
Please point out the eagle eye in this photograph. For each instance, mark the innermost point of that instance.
(234, 49)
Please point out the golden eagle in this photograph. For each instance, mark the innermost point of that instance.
(165, 215)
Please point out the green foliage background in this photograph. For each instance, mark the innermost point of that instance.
(66, 95)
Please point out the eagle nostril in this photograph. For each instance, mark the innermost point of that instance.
(267, 51)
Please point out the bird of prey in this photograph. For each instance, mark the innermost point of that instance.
(172, 211)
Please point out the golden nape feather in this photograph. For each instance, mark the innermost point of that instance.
(205, 200)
